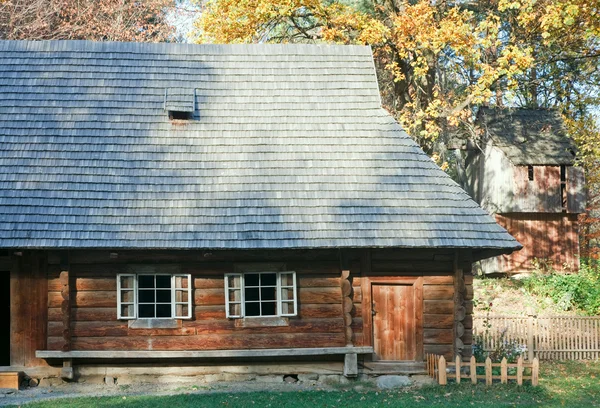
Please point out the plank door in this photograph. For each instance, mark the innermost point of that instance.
(394, 330)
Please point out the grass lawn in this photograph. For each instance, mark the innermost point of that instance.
(562, 385)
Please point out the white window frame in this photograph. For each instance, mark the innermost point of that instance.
(279, 301)
(174, 289)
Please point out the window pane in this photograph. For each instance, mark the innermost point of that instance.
(252, 309)
(184, 282)
(145, 281)
(146, 311)
(184, 296)
(251, 279)
(181, 311)
(163, 310)
(127, 296)
(287, 279)
(146, 296)
(268, 279)
(287, 308)
(235, 309)
(163, 281)
(251, 294)
(234, 281)
(287, 294)
(127, 310)
(269, 308)
(163, 296)
(127, 282)
(268, 294)
(235, 295)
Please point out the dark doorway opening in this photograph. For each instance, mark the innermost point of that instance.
(4, 318)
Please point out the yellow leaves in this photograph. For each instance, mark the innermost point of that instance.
(229, 21)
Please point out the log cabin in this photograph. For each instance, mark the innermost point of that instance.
(523, 173)
(223, 208)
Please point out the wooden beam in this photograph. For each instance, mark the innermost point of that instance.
(65, 279)
(109, 354)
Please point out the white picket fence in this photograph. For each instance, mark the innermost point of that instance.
(548, 338)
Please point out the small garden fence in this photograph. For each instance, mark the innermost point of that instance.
(437, 368)
(547, 338)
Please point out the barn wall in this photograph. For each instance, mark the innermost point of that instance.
(551, 237)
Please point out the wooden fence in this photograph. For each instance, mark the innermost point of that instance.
(437, 369)
(548, 338)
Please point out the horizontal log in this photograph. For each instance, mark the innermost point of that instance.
(468, 279)
(201, 257)
(438, 292)
(320, 311)
(54, 314)
(438, 336)
(438, 280)
(312, 281)
(209, 297)
(85, 284)
(209, 342)
(55, 299)
(294, 326)
(55, 343)
(438, 307)
(54, 285)
(209, 312)
(320, 295)
(409, 254)
(438, 321)
(282, 352)
(103, 314)
(446, 350)
(206, 282)
(90, 329)
(412, 266)
(96, 299)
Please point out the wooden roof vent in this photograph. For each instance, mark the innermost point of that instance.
(180, 103)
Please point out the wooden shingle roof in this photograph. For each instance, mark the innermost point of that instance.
(528, 136)
(288, 148)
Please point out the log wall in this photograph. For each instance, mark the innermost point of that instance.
(328, 315)
(95, 326)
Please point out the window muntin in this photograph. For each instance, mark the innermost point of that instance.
(153, 296)
(260, 294)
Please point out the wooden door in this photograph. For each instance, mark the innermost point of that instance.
(394, 328)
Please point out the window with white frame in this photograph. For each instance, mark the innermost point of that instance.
(154, 296)
(260, 294)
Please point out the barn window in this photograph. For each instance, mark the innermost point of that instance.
(260, 294)
(530, 173)
(154, 296)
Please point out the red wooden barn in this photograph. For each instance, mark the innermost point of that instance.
(223, 208)
(523, 173)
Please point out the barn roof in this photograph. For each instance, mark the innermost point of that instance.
(528, 136)
(288, 147)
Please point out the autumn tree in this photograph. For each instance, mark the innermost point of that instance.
(98, 20)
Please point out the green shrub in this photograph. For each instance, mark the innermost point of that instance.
(578, 291)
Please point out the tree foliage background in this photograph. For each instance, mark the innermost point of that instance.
(98, 20)
(437, 60)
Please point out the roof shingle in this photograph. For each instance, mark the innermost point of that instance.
(289, 148)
